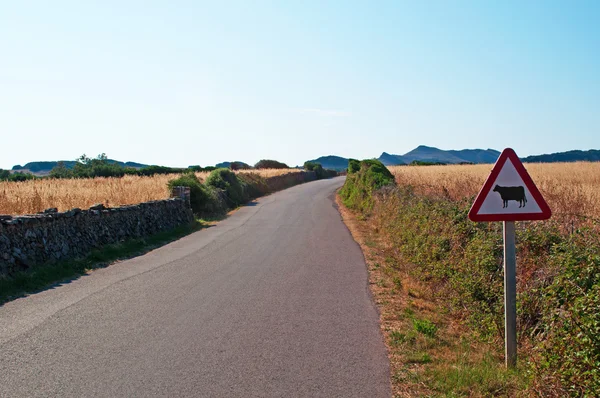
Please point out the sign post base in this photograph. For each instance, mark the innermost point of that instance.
(510, 294)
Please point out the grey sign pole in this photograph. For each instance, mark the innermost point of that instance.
(510, 294)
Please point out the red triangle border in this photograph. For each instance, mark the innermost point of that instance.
(506, 154)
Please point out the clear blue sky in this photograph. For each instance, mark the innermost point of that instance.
(189, 82)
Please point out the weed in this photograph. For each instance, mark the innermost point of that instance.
(425, 327)
(418, 357)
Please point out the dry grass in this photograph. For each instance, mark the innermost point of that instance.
(569, 188)
(33, 196)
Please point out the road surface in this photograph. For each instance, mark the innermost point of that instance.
(271, 302)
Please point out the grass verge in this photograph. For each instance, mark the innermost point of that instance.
(39, 278)
(431, 352)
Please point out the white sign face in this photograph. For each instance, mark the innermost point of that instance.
(509, 194)
(509, 185)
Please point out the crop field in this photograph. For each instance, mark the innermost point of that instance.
(32, 196)
(571, 189)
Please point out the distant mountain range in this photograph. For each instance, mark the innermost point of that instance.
(428, 154)
(43, 168)
(421, 153)
(424, 153)
(593, 155)
(332, 162)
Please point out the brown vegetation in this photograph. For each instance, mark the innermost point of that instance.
(569, 188)
(32, 196)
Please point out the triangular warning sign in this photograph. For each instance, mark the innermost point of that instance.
(509, 194)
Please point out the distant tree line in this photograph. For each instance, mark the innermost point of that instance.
(6, 175)
(101, 166)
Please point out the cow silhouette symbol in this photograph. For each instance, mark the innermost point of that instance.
(511, 193)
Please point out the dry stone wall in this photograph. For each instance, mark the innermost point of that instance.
(31, 240)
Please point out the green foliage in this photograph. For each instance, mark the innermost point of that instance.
(486, 378)
(311, 166)
(203, 199)
(254, 184)
(239, 166)
(319, 170)
(559, 288)
(362, 181)
(20, 177)
(6, 175)
(101, 166)
(226, 180)
(201, 169)
(270, 164)
(60, 171)
(353, 166)
(424, 163)
(572, 314)
(425, 327)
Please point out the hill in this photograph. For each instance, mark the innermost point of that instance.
(429, 154)
(332, 162)
(44, 167)
(593, 155)
(391, 160)
(424, 153)
(477, 155)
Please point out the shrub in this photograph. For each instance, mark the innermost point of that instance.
(202, 199)
(270, 164)
(226, 180)
(239, 166)
(4, 175)
(21, 177)
(353, 166)
(253, 184)
(363, 179)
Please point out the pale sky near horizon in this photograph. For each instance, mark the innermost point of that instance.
(191, 82)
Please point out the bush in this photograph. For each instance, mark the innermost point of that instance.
(226, 180)
(270, 164)
(18, 177)
(202, 199)
(319, 170)
(353, 166)
(253, 184)
(363, 180)
(239, 166)
(4, 175)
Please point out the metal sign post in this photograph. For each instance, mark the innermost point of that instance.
(509, 195)
(510, 295)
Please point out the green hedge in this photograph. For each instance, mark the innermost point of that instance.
(224, 190)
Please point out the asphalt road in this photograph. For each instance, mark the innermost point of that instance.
(271, 302)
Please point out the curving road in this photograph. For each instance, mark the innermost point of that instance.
(271, 302)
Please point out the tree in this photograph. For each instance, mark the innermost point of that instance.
(60, 171)
(4, 175)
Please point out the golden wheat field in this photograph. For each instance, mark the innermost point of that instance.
(33, 196)
(569, 188)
